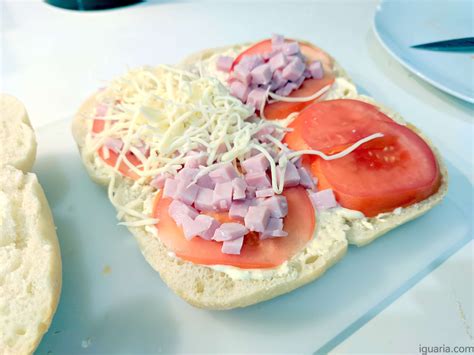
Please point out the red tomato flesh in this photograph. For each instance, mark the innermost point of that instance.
(396, 170)
(299, 223)
(281, 110)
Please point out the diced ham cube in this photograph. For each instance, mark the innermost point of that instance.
(186, 192)
(224, 63)
(306, 180)
(323, 199)
(262, 74)
(229, 231)
(290, 48)
(294, 69)
(258, 179)
(257, 163)
(195, 160)
(264, 192)
(278, 81)
(316, 70)
(300, 81)
(277, 41)
(256, 218)
(266, 130)
(178, 209)
(222, 196)
(238, 209)
(206, 181)
(170, 188)
(274, 229)
(239, 90)
(203, 201)
(278, 61)
(187, 174)
(250, 62)
(242, 73)
(158, 181)
(291, 177)
(277, 205)
(256, 98)
(287, 89)
(114, 144)
(239, 186)
(101, 110)
(307, 74)
(232, 247)
(207, 226)
(188, 227)
(250, 193)
(224, 173)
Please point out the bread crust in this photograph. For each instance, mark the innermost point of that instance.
(204, 287)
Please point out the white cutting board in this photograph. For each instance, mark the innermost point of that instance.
(113, 302)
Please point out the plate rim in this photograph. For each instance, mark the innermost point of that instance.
(409, 66)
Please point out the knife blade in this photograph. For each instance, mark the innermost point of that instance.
(452, 45)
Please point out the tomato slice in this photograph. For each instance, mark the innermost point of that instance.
(281, 110)
(332, 125)
(396, 170)
(299, 223)
(97, 127)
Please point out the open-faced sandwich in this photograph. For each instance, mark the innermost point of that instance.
(244, 172)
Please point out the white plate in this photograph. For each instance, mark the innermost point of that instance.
(402, 24)
(129, 310)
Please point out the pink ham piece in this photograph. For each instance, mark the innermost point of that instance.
(250, 193)
(177, 210)
(101, 109)
(250, 62)
(114, 144)
(256, 218)
(187, 223)
(287, 89)
(203, 201)
(224, 173)
(278, 61)
(257, 163)
(258, 179)
(292, 177)
(170, 188)
(256, 98)
(239, 90)
(278, 81)
(290, 48)
(323, 199)
(274, 229)
(206, 226)
(195, 159)
(306, 180)
(294, 69)
(232, 246)
(224, 63)
(239, 186)
(316, 70)
(242, 73)
(186, 192)
(239, 209)
(277, 205)
(222, 196)
(229, 231)
(187, 174)
(262, 133)
(206, 181)
(277, 42)
(261, 75)
(158, 182)
(264, 193)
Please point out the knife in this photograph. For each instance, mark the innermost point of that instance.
(452, 45)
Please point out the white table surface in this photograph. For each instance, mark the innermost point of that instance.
(52, 59)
